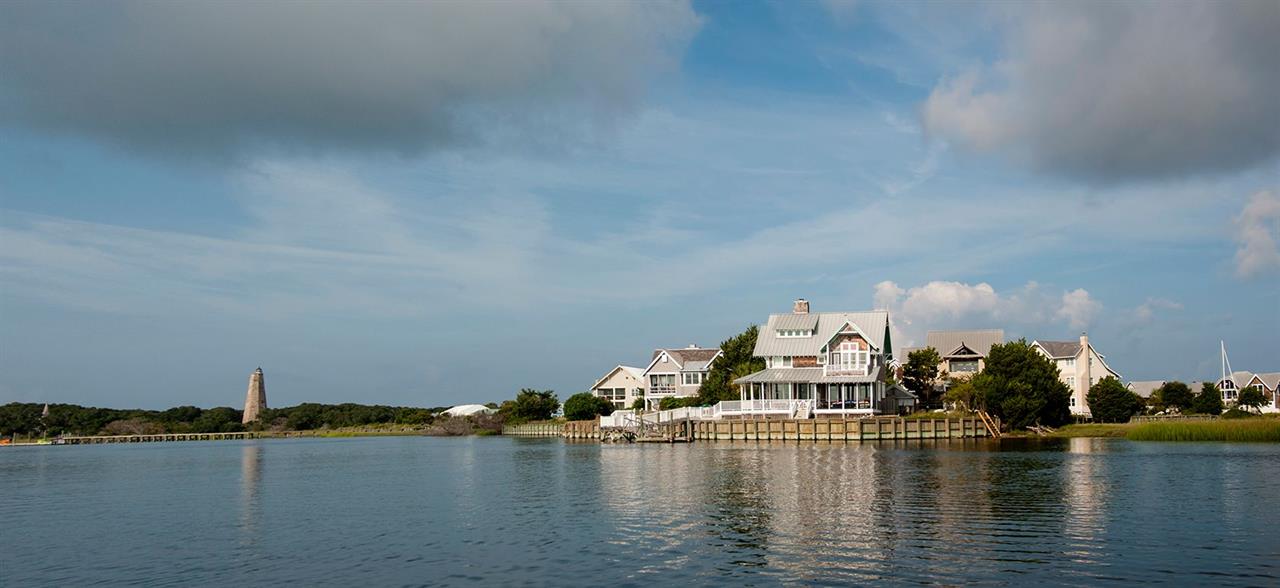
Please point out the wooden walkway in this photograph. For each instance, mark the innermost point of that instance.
(163, 438)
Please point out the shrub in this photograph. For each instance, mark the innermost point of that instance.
(1251, 397)
(1175, 395)
(530, 405)
(1110, 402)
(1208, 401)
(585, 406)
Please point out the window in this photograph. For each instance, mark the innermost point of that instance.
(1073, 400)
(778, 361)
(692, 378)
(1069, 362)
(848, 357)
(1071, 382)
(967, 366)
(658, 382)
(794, 333)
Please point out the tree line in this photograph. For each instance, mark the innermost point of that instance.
(27, 419)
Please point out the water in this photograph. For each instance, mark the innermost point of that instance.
(486, 511)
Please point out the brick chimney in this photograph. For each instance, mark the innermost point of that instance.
(801, 306)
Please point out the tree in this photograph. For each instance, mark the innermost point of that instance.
(1252, 398)
(920, 374)
(1022, 387)
(638, 404)
(1110, 402)
(586, 406)
(531, 405)
(1209, 400)
(735, 361)
(1174, 395)
(963, 393)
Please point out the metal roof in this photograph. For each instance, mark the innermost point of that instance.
(980, 341)
(801, 322)
(768, 343)
(804, 376)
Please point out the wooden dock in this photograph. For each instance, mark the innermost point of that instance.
(161, 438)
(540, 430)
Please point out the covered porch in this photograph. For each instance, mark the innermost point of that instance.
(788, 392)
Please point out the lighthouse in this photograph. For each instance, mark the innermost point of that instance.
(256, 399)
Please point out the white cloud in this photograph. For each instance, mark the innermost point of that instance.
(1146, 311)
(1078, 308)
(1112, 91)
(1258, 232)
(941, 305)
(215, 78)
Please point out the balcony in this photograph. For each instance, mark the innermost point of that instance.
(664, 390)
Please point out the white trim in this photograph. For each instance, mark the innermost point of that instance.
(613, 371)
(660, 356)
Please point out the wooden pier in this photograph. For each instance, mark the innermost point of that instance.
(537, 430)
(795, 430)
(162, 438)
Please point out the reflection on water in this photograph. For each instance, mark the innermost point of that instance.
(541, 511)
(250, 486)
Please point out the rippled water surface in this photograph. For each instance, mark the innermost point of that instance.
(403, 511)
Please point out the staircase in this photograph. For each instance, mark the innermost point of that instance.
(990, 423)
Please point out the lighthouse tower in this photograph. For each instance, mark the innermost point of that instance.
(256, 399)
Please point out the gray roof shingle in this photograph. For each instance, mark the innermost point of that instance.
(1060, 349)
(980, 341)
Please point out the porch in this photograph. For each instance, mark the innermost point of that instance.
(840, 399)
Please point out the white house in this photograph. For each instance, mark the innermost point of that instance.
(621, 386)
(1232, 385)
(825, 363)
(676, 372)
(1079, 366)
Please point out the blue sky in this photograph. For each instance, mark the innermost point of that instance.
(442, 203)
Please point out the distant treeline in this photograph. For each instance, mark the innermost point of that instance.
(25, 419)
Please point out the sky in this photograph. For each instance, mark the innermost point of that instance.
(429, 204)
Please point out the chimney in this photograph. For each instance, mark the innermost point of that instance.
(1084, 339)
(801, 306)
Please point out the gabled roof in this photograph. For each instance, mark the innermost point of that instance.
(872, 324)
(1269, 379)
(691, 359)
(1059, 349)
(951, 343)
(1145, 388)
(634, 371)
(1241, 378)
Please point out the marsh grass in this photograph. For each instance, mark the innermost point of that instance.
(1255, 430)
(1094, 430)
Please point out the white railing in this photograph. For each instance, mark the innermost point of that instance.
(661, 390)
(620, 419)
(800, 409)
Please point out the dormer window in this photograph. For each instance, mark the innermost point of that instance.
(794, 333)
